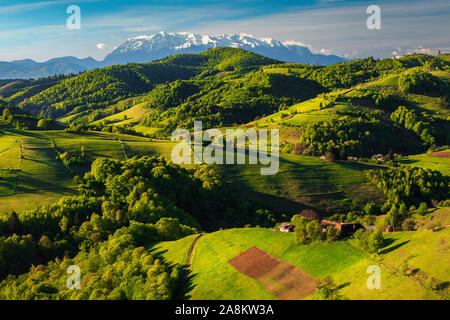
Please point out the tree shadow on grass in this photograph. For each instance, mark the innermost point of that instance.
(394, 247)
(414, 272)
(187, 284)
(186, 276)
(31, 134)
(443, 285)
(343, 285)
(30, 184)
(408, 161)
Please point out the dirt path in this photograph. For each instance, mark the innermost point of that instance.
(123, 148)
(349, 91)
(191, 250)
(186, 272)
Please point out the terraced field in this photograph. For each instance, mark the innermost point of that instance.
(36, 177)
(303, 181)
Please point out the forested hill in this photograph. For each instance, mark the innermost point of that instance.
(97, 198)
(221, 86)
(102, 87)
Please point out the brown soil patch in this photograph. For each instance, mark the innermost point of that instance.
(284, 280)
(287, 117)
(440, 154)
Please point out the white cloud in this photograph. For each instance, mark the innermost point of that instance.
(294, 43)
(419, 49)
(342, 28)
(325, 51)
(101, 46)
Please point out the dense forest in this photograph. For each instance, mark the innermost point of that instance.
(146, 197)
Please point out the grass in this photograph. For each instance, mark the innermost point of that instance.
(39, 178)
(144, 129)
(427, 250)
(174, 252)
(425, 161)
(96, 144)
(9, 164)
(213, 278)
(306, 112)
(436, 218)
(387, 81)
(155, 147)
(128, 116)
(303, 181)
(428, 104)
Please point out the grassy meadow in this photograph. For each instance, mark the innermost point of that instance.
(212, 277)
(426, 161)
(31, 175)
(303, 181)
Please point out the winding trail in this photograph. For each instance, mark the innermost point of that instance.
(181, 294)
(123, 148)
(191, 250)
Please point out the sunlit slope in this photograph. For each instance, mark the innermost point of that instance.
(212, 277)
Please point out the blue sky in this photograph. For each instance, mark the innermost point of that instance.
(36, 29)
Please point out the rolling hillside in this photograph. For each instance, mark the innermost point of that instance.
(362, 142)
(101, 87)
(37, 178)
(212, 277)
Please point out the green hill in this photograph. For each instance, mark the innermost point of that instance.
(102, 87)
(86, 179)
(31, 173)
(212, 277)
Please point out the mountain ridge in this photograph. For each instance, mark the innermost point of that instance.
(156, 46)
(148, 48)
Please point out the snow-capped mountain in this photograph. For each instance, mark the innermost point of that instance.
(161, 45)
(164, 44)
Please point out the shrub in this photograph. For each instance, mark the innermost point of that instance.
(314, 230)
(371, 241)
(370, 208)
(420, 82)
(43, 124)
(408, 225)
(423, 209)
(332, 234)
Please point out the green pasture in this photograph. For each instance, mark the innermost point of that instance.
(212, 277)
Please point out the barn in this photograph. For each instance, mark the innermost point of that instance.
(346, 229)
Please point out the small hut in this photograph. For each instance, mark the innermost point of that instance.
(286, 227)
